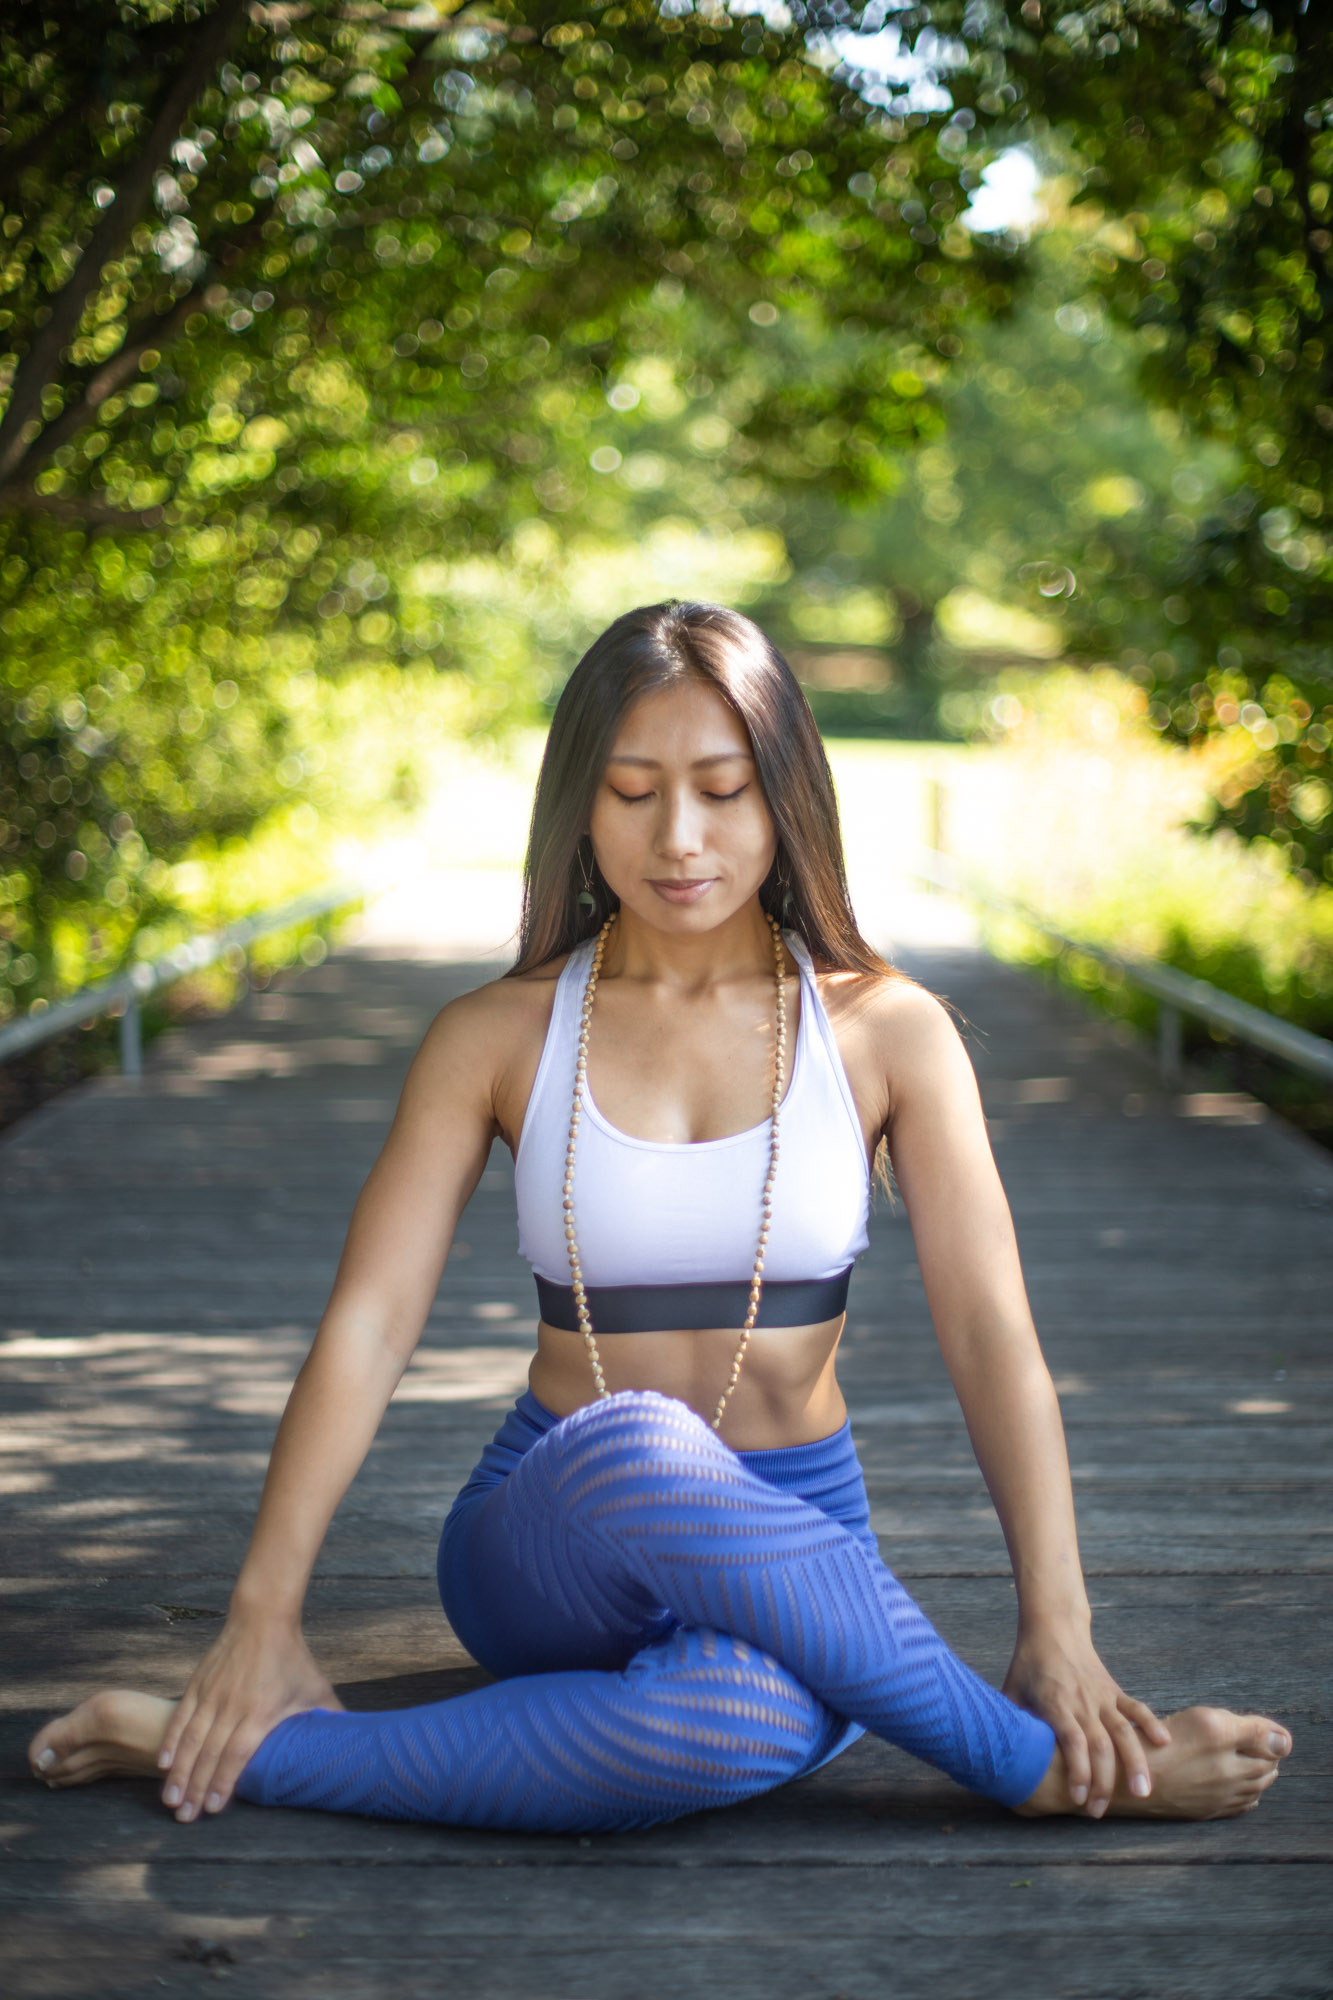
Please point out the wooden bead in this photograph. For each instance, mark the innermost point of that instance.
(766, 1204)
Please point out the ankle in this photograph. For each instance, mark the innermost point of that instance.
(1051, 1795)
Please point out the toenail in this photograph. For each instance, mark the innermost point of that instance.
(172, 1795)
(1277, 1743)
(46, 1760)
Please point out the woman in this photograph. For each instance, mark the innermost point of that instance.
(665, 1554)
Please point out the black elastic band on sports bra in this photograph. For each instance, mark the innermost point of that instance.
(672, 1308)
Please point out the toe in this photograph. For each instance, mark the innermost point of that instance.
(49, 1748)
(1260, 1736)
(1220, 1729)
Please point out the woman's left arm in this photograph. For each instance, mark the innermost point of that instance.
(966, 1247)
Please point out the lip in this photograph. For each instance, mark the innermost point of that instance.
(678, 892)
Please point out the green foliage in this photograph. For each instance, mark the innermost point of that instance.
(1051, 463)
(1204, 136)
(1081, 810)
(144, 807)
(349, 348)
(302, 305)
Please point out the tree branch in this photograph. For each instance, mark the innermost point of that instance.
(85, 507)
(89, 87)
(41, 363)
(124, 362)
(15, 160)
(108, 379)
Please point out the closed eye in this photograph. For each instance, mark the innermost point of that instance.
(638, 798)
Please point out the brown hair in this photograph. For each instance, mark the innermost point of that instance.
(643, 651)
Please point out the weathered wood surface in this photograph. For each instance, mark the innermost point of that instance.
(165, 1252)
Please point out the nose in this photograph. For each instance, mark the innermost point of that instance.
(680, 826)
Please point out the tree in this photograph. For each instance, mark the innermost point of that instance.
(295, 294)
(1054, 473)
(1204, 134)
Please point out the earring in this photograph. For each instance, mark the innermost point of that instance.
(586, 900)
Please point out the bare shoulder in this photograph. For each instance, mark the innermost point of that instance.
(891, 1003)
(483, 1048)
(898, 1035)
(490, 1020)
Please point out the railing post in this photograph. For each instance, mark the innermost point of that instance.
(131, 1040)
(1168, 1044)
(936, 820)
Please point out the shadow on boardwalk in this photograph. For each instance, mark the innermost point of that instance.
(167, 1249)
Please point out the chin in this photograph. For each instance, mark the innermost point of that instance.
(708, 914)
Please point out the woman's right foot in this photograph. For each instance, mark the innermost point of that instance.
(112, 1734)
(1216, 1765)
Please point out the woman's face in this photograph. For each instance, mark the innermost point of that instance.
(680, 827)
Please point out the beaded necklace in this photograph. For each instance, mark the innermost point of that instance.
(766, 1203)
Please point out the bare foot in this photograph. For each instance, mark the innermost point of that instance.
(1216, 1765)
(111, 1734)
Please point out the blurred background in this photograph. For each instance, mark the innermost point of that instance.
(363, 361)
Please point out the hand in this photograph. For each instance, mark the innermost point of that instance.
(1057, 1674)
(256, 1675)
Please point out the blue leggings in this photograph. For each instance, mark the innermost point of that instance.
(675, 1628)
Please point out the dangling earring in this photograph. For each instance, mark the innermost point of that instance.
(784, 890)
(587, 901)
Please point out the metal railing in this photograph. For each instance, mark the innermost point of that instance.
(126, 994)
(1176, 993)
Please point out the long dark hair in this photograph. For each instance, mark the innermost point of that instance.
(648, 649)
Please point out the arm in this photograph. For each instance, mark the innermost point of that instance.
(260, 1670)
(968, 1254)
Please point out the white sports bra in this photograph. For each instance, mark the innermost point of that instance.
(667, 1231)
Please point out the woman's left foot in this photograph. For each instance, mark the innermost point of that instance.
(112, 1734)
(1216, 1765)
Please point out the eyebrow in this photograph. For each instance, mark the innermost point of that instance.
(699, 764)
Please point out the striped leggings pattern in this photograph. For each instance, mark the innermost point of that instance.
(777, 1627)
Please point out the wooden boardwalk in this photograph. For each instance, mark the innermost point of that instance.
(166, 1252)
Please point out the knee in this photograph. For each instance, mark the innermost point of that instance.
(637, 1439)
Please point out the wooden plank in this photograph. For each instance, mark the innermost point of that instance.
(165, 1255)
(1174, 1641)
(872, 1807)
(584, 1931)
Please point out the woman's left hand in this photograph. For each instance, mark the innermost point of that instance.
(1057, 1674)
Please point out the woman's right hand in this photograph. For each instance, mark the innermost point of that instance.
(256, 1674)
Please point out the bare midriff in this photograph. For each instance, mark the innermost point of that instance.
(788, 1392)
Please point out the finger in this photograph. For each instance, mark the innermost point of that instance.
(1101, 1751)
(182, 1716)
(191, 1742)
(239, 1750)
(1078, 1768)
(201, 1777)
(1132, 1755)
(1144, 1718)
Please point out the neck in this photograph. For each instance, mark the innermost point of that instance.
(739, 948)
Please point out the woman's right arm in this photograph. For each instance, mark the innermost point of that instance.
(260, 1669)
